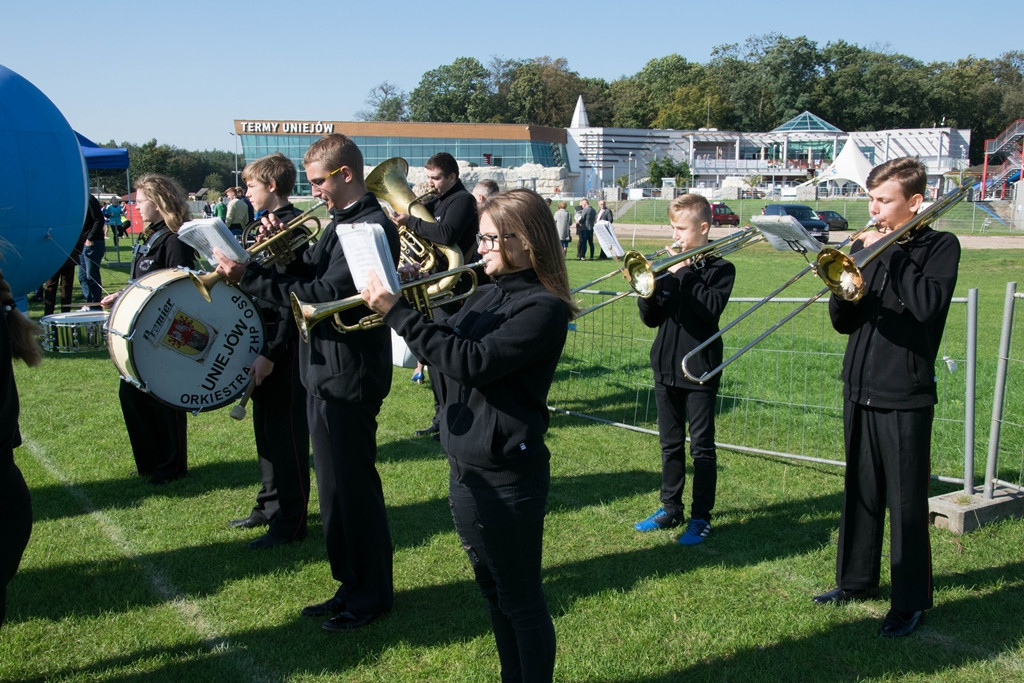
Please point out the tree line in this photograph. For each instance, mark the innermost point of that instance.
(752, 87)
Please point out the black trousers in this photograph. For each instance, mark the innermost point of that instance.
(676, 407)
(501, 528)
(282, 448)
(15, 523)
(586, 237)
(352, 509)
(888, 461)
(158, 434)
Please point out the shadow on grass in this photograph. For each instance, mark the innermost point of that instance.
(952, 635)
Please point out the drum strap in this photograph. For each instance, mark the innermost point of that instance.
(154, 240)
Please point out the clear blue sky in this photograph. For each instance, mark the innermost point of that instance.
(182, 71)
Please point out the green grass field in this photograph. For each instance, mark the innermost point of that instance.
(122, 581)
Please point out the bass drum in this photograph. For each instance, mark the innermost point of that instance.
(167, 340)
(74, 332)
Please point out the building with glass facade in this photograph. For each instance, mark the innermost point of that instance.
(480, 144)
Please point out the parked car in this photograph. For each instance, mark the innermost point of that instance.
(805, 215)
(721, 214)
(834, 219)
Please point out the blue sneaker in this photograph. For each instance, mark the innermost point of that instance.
(659, 520)
(696, 531)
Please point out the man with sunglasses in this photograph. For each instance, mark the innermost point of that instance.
(347, 377)
(456, 221)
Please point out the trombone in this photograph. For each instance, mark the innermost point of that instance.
(841, 274)
(642, 272)
(421, 295)
(280, 248)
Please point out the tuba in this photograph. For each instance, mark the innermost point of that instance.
(388, 182)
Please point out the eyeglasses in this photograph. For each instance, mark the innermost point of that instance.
(317, 182)
(491, 241)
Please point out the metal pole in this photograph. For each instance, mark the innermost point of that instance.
(969, 398)
(1000, 390)
(236, 157)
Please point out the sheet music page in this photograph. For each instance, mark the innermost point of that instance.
(366, 248)
(607, 239)
(206, 234)
(785, 232)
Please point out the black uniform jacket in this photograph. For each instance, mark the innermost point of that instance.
(355, 366)
(457, 221)
(161, 250)
(685, 308)
(495, 359)
(278, 322)
(896, 327)
(10, 435)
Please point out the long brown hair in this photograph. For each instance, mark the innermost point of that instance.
(24, 332)
(169, 197)
(525, 214)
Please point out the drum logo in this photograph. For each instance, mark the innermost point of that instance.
(186, 335)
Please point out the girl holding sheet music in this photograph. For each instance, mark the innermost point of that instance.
(495, 358)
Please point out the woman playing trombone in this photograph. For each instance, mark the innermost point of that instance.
(496, 358)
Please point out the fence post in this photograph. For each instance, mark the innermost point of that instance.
(971, 388)
(1000, 390)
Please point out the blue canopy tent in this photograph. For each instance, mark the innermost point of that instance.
(104, 158)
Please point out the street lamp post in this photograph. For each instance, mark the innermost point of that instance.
(629, 169)
(236, 157)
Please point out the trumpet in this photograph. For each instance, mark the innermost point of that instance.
(420, 294)
(841, 274)
(642, 272)
(276, 250)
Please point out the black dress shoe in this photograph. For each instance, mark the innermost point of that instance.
(346, 621)
(322, 609)
(838, 596)
(251, 522)
(898, 624)
(428, 431)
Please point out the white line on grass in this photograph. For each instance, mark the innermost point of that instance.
(189, 611)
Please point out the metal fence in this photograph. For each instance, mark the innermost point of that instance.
(1005, 462)
(782, 398)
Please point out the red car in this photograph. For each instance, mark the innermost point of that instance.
(721, 214)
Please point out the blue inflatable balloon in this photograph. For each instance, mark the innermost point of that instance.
(44, 185)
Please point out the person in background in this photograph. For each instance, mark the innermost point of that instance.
(455, 213)
(220, 208)
(93, 247)
(585, 229)
(19, 338)
(347, 376)
(279, 400)
(685, 308)
(483, 190)
(64, 279)
(562, 221)
(237, 212)
(603, 214)
(495, 358)
(889, 398)
(157, 432)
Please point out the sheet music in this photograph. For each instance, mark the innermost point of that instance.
(607, 239)
(785, 232)
(366, 248)
(206, 234)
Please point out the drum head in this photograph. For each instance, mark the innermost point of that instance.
(185, 351)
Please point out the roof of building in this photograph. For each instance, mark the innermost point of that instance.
(806, 123)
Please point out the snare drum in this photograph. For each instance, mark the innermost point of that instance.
(167, 340)
(75, 332)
